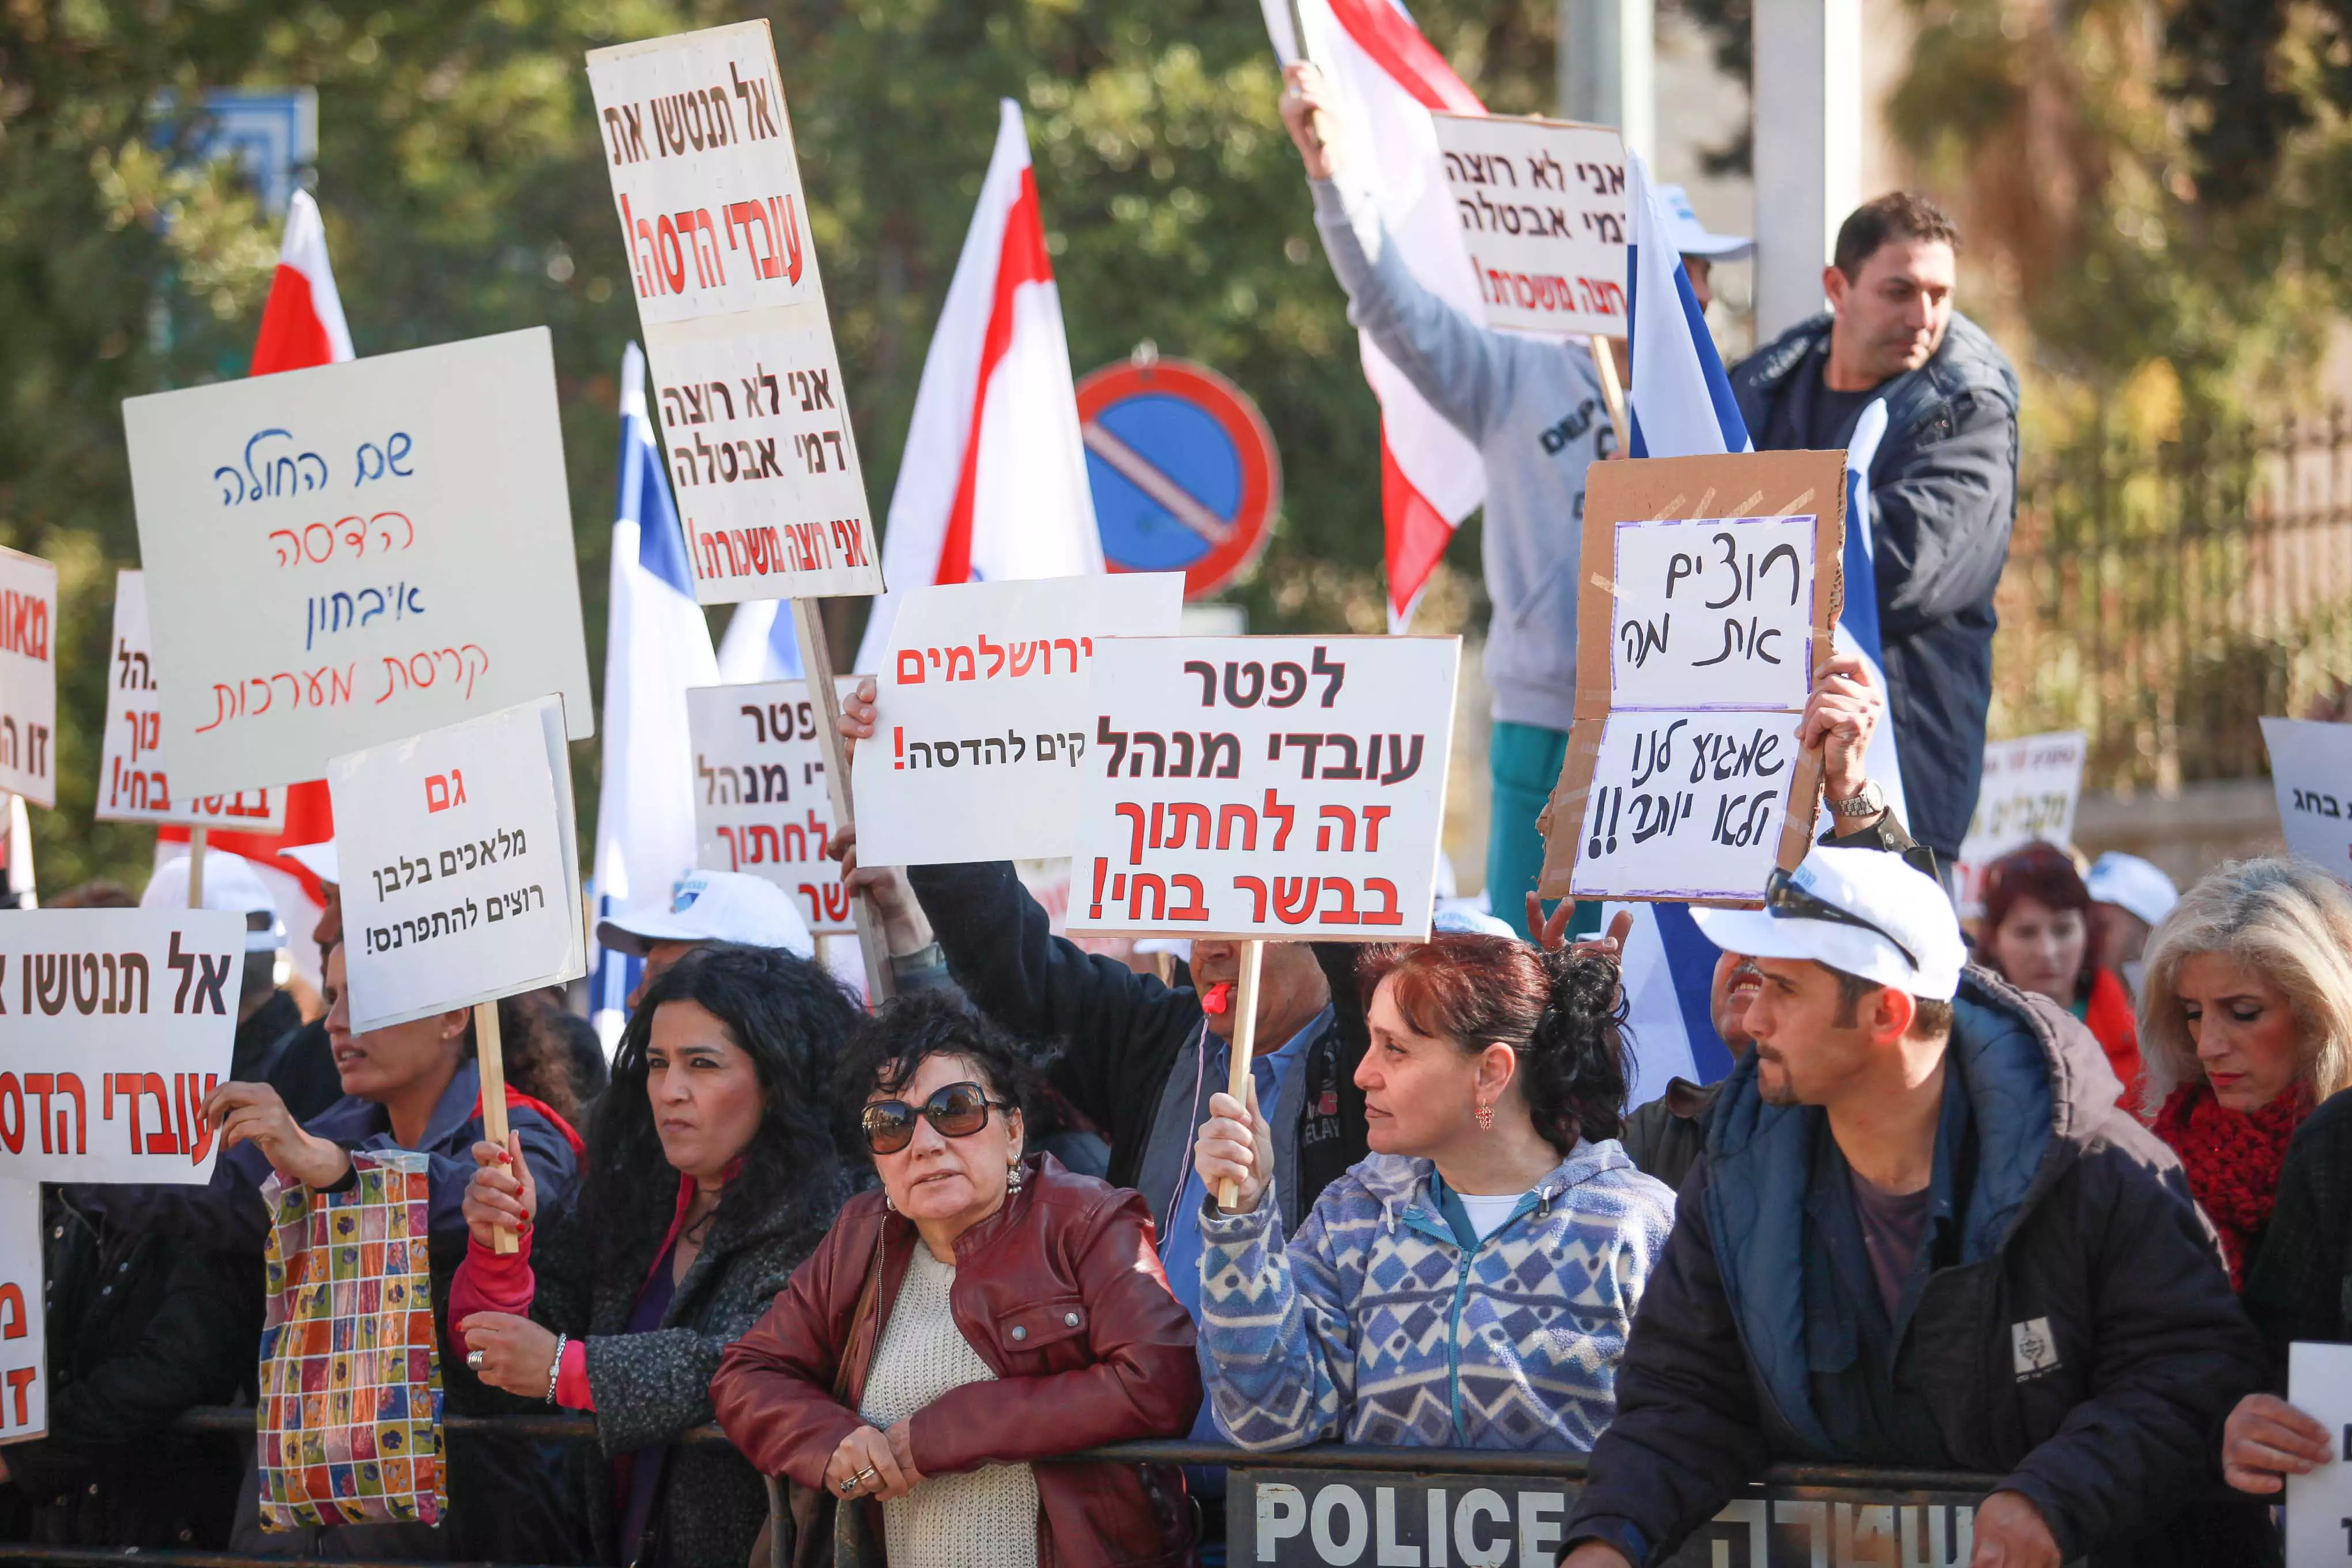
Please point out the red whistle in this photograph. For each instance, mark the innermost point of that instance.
(1218, 999)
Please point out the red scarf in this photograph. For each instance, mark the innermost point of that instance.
(2232, 1158)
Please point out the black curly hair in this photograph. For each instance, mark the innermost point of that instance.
(1562, 1013)
(892, 1046)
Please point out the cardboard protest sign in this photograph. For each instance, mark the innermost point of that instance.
(707, 190)
(2311, 766)
(1291, 788)
(23, 1330)
(759, 802)
(978, 737)
(2319, 1383)
(28, 677)
(1542, 204)
(340, 557)
(461, 866)
(133, 783)
(118, 1022)
(2029, 790)
(1707, 599)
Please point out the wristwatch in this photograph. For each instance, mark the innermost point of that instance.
(1867, 801)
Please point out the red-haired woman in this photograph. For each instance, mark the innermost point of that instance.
(2037, 933)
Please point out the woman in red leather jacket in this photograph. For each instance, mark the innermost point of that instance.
(985, 1310)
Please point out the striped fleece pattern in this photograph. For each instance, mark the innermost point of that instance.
(1371, 1325)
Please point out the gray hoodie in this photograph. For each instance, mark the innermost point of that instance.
(1533, 405)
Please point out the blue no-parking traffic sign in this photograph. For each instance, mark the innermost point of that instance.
(1184, 470)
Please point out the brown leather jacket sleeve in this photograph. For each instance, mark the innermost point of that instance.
(1142, 1378)
(774, 1389)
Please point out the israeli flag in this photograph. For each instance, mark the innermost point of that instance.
(759, 644)
(1681, 405)
(657, 644)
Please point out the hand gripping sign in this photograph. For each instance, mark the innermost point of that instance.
(760, 801)
(114, 1024)
(338, 557)
(28, 677)
(1542, 208)
(1709, 598)
(984, 712)
(708, 191)
(134, 781)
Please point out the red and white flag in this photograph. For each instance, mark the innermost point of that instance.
(301, 325)
(1389, 79)
(993, 482)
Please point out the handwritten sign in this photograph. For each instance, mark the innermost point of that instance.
(461, 866)
(28, 677)
(1542, 206)
(23, 1330)
(2311, 766)
(340, 557)
(1699, 630)
(707, 190)
(121, 1022)
(134, 783)
(1283, 787)
(2319, 1383)
(2029, 790)
(760, 802)
(984, 709)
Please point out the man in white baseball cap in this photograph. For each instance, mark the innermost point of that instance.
(2130, 899)
(708, 906)
(1922, 1234)
(1700, 248)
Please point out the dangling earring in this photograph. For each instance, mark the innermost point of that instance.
(888, 1206)
(1013, 1178)
(1485, 1117)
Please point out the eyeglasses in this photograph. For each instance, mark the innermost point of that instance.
(1784, 900)
(959, 1111)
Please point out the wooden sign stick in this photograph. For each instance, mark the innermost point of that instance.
(489, 1059)
(1237, 1072)
(1612, 391)
(196, 847)
(816, 663)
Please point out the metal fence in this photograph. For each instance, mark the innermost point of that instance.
(2162, 596)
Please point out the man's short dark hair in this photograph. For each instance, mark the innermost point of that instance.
(1931, 1016)
(1904, 215)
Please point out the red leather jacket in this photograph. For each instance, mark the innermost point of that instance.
(1061, 1293)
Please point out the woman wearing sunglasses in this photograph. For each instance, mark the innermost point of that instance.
(985, 1310)
(713, 1169)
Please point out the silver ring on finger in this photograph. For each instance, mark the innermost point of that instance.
(474, 1360)
(849, 1486)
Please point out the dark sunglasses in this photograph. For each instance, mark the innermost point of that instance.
(1784, 900)
(958, 1110)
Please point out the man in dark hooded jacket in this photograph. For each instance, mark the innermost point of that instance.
(1923, 1235)
(1943, 481)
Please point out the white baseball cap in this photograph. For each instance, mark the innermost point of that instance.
(1690, 237)
(230, 884)
(713, 906)
(2133, 884)
(1860, 910)
(318, 859)
(1463, 917)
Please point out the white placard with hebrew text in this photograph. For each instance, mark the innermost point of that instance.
(2319, 1383)
(1291, 788)
(760, 800)
(1714, 613)
(461, 867)
(24, 1327)
(2031, 786)
(984, 712)
(1542, 208)
(2311, 767)
(1685, 806)
(29, 677)
(134, 781)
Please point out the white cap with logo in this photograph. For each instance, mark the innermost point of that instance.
(230, 884)
(1861, 910)
(2132, 885)
(1690, 238)
(713, 906)
(318, 859)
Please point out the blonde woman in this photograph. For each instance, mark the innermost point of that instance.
(2245, 1027)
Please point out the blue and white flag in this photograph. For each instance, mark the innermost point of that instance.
(759, 644)
(1681, 405)
(657, 644)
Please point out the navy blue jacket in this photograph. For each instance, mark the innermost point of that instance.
(1943, 491)
(2083, 1344)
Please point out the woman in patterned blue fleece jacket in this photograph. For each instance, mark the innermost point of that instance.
(1471, 1282)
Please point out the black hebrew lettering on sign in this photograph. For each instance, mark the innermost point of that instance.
(1713, 613)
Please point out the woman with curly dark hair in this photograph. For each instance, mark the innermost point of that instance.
(712, 1169)
(1496, 1201)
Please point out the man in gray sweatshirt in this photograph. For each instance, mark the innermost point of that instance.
(1533, 408)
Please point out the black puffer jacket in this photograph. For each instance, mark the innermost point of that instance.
(1943, 492)
(2084, 1345)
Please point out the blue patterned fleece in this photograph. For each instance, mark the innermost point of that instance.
(1371, 1325)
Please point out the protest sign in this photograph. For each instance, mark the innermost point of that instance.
(133, 783)
(707, 190)
(461, 866)
(1708, 599)
(2029, 790)
(1542, 206)
(2311, 767)
(2319, 1383)
(28, 677)
(1291, 788)
(340, 557)
(23, 1332)
(978, 737)
(760, 801)
(122, 1022)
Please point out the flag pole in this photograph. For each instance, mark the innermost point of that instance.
(1318, 122)
(1238, 1068)
(816, 663)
